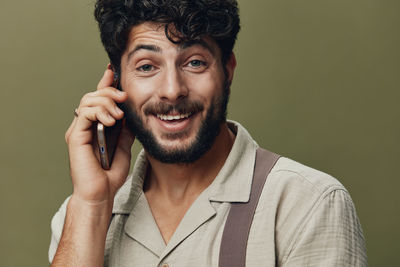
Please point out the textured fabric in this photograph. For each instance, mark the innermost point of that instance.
(304, 218)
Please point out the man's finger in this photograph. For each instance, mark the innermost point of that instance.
(106, 80)
(70, 128)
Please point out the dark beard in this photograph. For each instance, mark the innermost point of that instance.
(205, 138)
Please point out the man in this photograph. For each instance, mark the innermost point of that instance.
(175, 63)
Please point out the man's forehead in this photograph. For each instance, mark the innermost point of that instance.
(146, 28)
(147, 35)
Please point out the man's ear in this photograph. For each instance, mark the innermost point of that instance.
(230, 67)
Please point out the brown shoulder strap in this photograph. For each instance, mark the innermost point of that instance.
(237, 227)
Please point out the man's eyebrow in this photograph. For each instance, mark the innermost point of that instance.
(204, 44)
(181, 46)
(152, 48)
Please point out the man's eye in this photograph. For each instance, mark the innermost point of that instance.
(197, 63)
(146, 68)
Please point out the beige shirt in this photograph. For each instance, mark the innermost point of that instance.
(304, 218)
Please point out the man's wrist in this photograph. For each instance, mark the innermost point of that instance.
(90, 209)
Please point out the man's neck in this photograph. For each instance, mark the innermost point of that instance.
(181, 182)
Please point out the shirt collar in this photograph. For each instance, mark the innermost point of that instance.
(232, 184)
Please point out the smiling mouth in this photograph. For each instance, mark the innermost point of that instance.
(175, 122)
(172, 118)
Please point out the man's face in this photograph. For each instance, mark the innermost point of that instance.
(177, 93)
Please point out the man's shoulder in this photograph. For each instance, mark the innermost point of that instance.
(288, 173)
(310, 209)
(293, 191)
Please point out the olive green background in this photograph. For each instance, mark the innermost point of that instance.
(317, 81)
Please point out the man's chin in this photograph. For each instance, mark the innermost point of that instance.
(176, 138)
(174, 146)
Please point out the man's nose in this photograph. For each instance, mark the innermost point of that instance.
(173, 87)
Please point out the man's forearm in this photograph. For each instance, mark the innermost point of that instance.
(83, 239)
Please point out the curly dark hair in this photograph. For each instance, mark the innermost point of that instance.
(191, 20)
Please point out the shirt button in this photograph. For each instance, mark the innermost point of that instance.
(165, 265)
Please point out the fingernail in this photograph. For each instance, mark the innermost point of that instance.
(119, 111)
(109, 66)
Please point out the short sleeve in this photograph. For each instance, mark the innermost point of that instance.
(57, 225)
(331, 236)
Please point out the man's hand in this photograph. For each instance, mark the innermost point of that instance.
(89, 208)
(92, 183)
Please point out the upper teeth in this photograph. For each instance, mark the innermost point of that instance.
(170, 118)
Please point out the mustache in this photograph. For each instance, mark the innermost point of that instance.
(182, 107)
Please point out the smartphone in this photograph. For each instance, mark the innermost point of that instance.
(107, 137)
